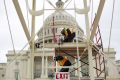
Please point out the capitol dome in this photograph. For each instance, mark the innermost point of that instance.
(58, 20)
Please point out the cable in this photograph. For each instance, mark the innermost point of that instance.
(68, 4)
(111, 25)
(19, 53)
(51, 4)
(9, 27)
(11, 37)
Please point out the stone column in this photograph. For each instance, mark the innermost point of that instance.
(24, 69)
(46, 68)
(28, 69)
(42, 73)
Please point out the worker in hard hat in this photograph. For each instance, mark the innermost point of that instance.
(63, 61)
(68, 35)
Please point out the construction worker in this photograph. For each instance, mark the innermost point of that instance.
(63, 61)
(68, 36)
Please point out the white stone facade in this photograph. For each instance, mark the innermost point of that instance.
(111, 65)
(20, 68)
(2, 71)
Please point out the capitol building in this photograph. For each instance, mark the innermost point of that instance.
(42, 66)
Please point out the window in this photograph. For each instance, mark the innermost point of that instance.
(50, 40)
(119, 72)
(75, 40)
(78, 32)
(45, 32)
(59, 17)
(56, 17)
(63, 17)
(45, 41)
(16, 75)
(48, 31)
(107, 72)
(3, 75)
(79, 41)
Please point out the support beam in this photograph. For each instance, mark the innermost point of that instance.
(22, 20)
(91, 70)
(76, 71)
(33, 40)
(97, 18)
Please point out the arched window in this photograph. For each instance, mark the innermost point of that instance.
(59, 17)
(78, 32)
(45, 32)
(3, 75)
(45, 41)
(48, 31)
(56, 17)
(63, 17)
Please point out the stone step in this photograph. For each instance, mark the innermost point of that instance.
(71, 78)
(84, 78)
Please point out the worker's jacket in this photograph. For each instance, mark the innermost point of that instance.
(68, 36)
(64, 62)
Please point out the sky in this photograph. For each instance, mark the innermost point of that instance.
(19, 37)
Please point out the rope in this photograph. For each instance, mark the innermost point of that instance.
(9, 27)
(68, 4)
(11, 36)
(66, 1)
(51, 4)
(111, 25)
(19, 53)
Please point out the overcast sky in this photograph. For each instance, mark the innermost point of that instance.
(19, 36)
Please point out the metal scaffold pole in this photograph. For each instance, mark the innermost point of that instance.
(32, 41)
(91, 71)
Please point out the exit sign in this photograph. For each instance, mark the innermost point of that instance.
(62, 76)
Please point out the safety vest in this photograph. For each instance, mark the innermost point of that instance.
(62, 62)
(66, 33)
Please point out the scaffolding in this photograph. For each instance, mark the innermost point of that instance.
(86, 53)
